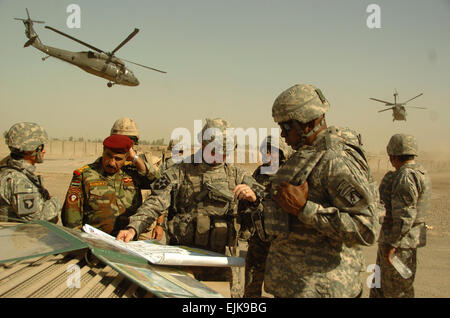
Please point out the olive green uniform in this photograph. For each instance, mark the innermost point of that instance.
(102, 200)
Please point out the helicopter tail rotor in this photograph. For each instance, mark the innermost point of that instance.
(29, 19)
(29, 30)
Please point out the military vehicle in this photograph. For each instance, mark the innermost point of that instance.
(99, 63)
(398, 109)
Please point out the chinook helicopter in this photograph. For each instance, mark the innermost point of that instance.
(98, 63)
(398, 109)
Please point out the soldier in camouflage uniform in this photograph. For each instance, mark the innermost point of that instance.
(105, 193)
(322, 204)
(167, 161)
(22, 195)
(205, 200)
(257, 248)
(406, 194)
(128, 127)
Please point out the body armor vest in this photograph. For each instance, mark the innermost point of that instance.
(206, 208)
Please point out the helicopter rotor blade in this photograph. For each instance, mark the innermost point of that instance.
(132, 34)
(382, 101)
(385, 109)
(416, 107)
(413, 98)
(150, 68)
(74, 39)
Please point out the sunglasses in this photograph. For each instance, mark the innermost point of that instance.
(135, 139)
(286, 125)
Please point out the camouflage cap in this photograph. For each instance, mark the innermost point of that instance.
(302, 102)
(176, 141)
(282, 146)
(26, 136)
(125, 126)
(221, 125)
(402, 144)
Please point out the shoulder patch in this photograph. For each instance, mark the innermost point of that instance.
(161, 183)
(348, 192)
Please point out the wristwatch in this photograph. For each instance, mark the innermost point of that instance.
(135, 159)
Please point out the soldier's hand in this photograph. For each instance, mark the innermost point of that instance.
(390, 253)
(158, 232)
(291, 198)
(131, 154)
(244, 192)
(126, 235)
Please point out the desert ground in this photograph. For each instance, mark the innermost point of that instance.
(432, 278)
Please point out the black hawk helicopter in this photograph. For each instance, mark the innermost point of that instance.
(398, 109)
(99, 63)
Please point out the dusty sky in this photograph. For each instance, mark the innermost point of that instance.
(231, 59)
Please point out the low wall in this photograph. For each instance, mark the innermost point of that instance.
(64, 149)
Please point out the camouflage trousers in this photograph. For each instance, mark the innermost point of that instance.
(255, 266)
(392, 284)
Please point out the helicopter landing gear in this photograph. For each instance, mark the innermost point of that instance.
(44, 58)
(110, 84)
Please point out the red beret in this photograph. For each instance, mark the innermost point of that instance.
(118, 143)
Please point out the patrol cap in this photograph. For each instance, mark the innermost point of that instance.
(402, 144)
(118, 143)
(25, 136)
(302, 102)
(177, 142)
(283, 147)
(228, 144)
(125, 126)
